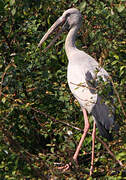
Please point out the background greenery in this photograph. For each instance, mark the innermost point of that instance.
(35, 102)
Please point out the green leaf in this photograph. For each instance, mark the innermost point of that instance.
(72, 145)
(114, 62)
(122, 68)
(3, 100)
(120, 8)
(75, 1)
(52, 150)
(98, 11)
(121, 155)
(54, 57)
(82, 6)
(12, 2)
(13, 11)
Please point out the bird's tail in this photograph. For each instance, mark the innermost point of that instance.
(104, 118)
(103, 131)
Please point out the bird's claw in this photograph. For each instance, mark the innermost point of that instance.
(65, 167)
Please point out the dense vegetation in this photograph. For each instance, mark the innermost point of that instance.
(39, 115)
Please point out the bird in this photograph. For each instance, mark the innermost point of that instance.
(83, 75)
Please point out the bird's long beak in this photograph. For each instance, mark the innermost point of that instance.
(59, 22)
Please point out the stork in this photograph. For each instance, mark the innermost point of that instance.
(82, 71)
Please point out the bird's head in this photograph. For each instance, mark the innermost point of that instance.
(70, 18)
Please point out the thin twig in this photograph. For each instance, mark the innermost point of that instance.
(82, 85)
(110, 152)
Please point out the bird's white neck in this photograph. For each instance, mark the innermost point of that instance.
(70, 40)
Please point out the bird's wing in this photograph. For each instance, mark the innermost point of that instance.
(80, 88)
(103, 110)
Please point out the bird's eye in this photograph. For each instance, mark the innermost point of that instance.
(68, 15)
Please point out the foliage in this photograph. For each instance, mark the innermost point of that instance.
(36, 103)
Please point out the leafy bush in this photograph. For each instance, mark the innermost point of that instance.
(37, 107)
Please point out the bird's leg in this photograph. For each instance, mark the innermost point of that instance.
(67, 166)
(93, 146)
(83, 135)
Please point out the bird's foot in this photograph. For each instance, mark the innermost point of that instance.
(65, 167)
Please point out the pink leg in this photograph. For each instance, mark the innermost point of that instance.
(83, 135)
(67, 166)
(93, 146)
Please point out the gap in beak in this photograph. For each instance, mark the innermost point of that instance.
(54, 39)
